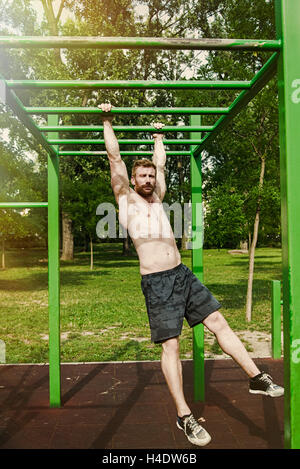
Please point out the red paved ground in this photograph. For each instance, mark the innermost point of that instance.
(127, 405)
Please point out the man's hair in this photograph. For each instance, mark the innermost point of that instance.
(145, 163)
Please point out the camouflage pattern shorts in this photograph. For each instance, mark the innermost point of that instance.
(171, 296)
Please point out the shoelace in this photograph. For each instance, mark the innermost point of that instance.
(267, 379)
(194, 425)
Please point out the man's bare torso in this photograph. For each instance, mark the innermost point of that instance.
(150, 231)
(141, 211)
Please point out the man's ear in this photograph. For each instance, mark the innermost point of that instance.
(132, 180)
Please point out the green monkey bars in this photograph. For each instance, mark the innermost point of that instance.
(96, 42)
(127, 84)
(284, 60)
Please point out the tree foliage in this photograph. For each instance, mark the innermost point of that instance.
(234, 156)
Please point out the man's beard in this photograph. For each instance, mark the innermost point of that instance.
(145, 192)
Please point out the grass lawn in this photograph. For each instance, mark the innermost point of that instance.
(103, 314)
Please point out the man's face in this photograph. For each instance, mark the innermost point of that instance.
(144, 181)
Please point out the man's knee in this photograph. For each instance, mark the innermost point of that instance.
(171, 345)
(215, 322)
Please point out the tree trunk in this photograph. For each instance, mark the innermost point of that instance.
(184, 242)
(67, 238)
(126, 245)
(3, 253)
(86, 243)
(92, 255)
(53, 22)
(253, 244)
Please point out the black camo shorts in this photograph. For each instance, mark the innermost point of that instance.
(171, 296)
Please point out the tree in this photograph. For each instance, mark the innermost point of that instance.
(83, 198)
(18, 182)
(225, 221)
(247, 151)
(119, 18)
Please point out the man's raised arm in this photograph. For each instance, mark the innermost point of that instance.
(119, 175)
(159, 159)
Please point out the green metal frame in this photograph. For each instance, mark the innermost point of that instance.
(127, 84)
(197, 261)
(276, 318)
(285, 60)
(96, 42)
(128, 110)
(53, 275)
(287, 19)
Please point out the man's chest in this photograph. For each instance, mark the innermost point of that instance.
(143, 219)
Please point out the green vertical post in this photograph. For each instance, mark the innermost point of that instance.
(197, 261)
(53, 275)
(276, 318)
(287, 26)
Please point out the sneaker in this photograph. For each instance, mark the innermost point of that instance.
(193, 431)
(263, 384)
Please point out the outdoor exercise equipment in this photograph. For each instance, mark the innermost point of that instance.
(284, 59)
(276, 303)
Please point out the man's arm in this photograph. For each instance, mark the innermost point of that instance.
(119, 175)
(159, 159)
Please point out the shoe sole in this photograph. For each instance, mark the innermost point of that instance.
(265, 393)
(205, 442)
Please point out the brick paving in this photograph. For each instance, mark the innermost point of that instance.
(128, 406)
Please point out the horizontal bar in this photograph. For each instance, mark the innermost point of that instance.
(17, 107)
(127, 110)
(137, 43)
(257, 83)
(126, 84)
(122, 142)
(126, 128)
(122, 153)
(23, 204)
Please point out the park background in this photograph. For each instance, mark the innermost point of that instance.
(103, 315)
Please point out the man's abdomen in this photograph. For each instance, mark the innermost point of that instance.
(157, 255)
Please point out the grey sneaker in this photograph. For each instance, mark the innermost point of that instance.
(263, 384)
(193, 431)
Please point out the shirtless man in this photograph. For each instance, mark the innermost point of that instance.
(171, 290)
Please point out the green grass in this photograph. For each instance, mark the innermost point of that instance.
(103, 314)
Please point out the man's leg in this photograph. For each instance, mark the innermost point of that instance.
(260, 383)
(230, 343)
(172, 370)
